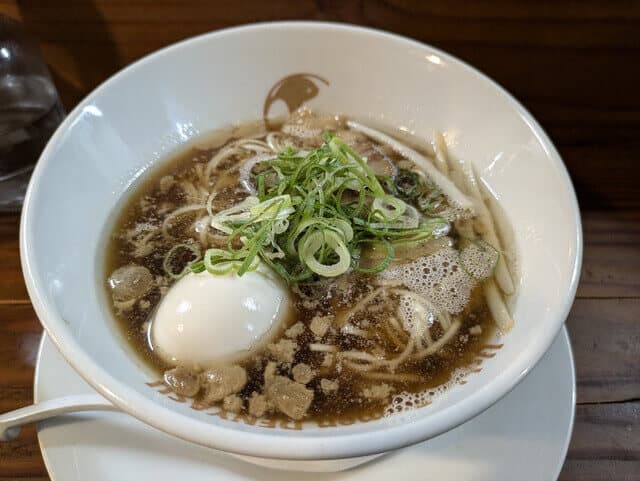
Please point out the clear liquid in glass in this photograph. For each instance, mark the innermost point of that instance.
(30, 111)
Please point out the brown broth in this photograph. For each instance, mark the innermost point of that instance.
(154, 198)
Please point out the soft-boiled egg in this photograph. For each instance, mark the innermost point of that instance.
(204, 318)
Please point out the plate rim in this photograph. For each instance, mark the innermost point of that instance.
(563, 334)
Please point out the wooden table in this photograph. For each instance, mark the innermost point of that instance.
(574, 65)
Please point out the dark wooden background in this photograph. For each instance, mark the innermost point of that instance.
(574, 64)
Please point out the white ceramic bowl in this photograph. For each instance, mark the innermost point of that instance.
(147, 110)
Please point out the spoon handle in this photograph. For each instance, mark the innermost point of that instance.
(11, 422)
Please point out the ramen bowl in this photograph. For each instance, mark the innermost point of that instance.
(150, 109)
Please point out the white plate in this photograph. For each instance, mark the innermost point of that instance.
(524, 436)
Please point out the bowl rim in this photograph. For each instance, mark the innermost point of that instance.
(267, 443)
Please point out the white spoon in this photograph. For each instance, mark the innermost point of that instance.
(11, 422)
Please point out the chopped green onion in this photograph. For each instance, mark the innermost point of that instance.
(314, 211)
(385, 262)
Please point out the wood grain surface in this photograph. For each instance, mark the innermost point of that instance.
(574, 64)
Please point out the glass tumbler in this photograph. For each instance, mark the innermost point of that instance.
(30, 111)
